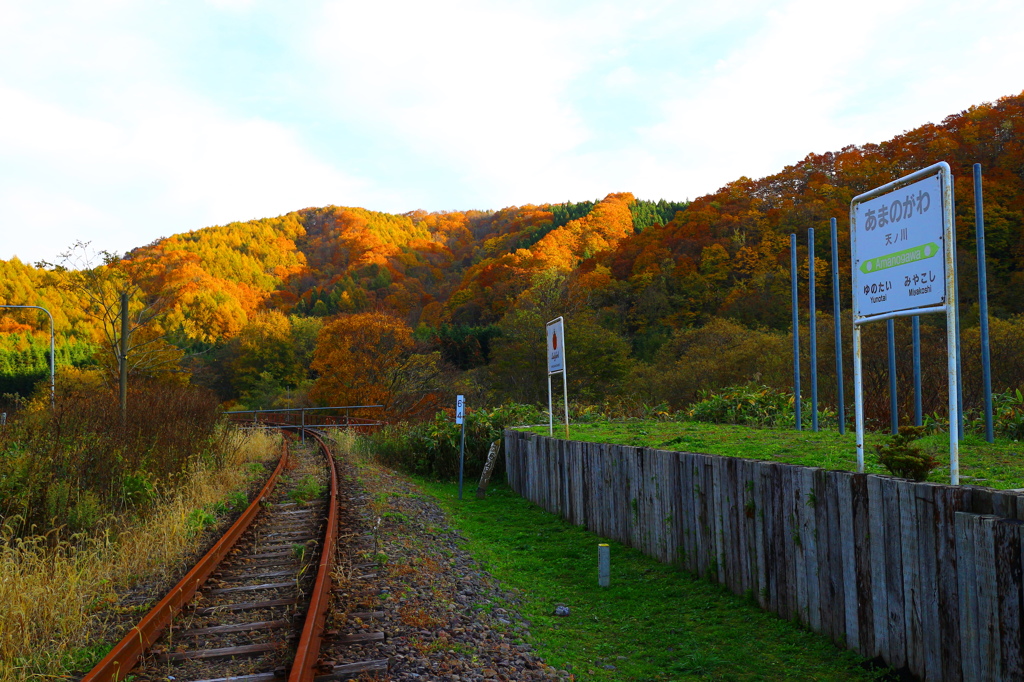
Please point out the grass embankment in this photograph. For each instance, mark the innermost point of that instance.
(55, 593)
(994, 465)
(655, 622)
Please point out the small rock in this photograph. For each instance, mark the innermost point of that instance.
(561, 610)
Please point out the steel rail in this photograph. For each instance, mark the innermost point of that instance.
(117, 664)
(308, 651)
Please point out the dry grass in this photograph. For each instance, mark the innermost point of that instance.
(54, 593)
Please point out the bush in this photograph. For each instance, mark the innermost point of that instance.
(902, 459)
(77, 464)
(431, 448)
(755, 406)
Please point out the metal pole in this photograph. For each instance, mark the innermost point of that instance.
(551, 410)
(956, 320)
(123, 364)
(918, 412)
(462, 455)
(302, 416)
(565, 393)
(894, 417)
(952, 330)
(813, 329)
(796, 330)
(837, 323)
(858, 398)
(986, 358)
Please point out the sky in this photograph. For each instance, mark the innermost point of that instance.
(123, 121)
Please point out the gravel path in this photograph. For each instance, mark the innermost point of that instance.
(443, 616)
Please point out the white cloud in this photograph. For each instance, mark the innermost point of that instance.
(121, 122)
(817, 77)
(179, 165)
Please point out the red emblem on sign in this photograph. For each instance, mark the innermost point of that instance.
(554, 341)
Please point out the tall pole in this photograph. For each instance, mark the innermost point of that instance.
(837, 324)
(986, 358)
(123, 357)
(894, 416)
(918, 411)
(813, 323)
(53, 357)
(796, 330)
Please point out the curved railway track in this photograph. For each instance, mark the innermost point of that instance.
(253, 608)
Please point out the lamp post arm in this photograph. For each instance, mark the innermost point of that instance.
(53, 358)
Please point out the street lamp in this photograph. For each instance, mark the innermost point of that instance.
(53, 400)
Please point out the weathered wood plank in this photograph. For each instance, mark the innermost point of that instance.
(848, 559)
(686, 517)
(1010, 596)
(707, 541)
(862, 560)
(948, 501)
(989, 653)
(966, 562)
(760, 576)
(730, 529)
(837, 589)
(790, 533)
(877, 525)
(224, 652)
(826, 596)
(715, 516)
(927, 567)
(348, 670)
(770, 490)
(909, 558)
(800, 555)
(809, 543)
(894, 575)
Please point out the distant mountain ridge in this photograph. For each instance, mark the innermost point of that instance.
(643, 268)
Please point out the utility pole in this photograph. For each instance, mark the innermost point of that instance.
(123, 358)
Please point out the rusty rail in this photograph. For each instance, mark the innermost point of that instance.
(304, 666)
(117, 664)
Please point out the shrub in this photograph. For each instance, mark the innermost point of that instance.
(901, 458)
(79, 464)
(431, 448)
(754, 406)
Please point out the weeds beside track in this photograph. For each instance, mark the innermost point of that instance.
(60, 595)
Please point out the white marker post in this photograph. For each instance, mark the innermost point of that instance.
(460, 418)
(903, 252)
(556, 364)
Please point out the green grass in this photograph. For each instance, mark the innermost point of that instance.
(654, 623)
(995, 465)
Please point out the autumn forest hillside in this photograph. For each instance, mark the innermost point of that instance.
(345, 305)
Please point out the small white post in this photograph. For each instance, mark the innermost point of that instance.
(604, 565)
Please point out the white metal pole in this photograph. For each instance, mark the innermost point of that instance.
(858, 397)
(952, 328)
(565, 395)
(551, 411)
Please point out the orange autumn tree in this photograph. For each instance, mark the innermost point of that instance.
(372, 359)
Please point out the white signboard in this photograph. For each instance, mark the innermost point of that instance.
(556, 346)
(899, 250)
(460, 409)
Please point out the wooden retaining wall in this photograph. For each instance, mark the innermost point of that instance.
(925, 576)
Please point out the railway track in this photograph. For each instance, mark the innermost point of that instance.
(253, 609)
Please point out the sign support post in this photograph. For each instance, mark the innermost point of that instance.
(903, 249)
(556, 365)
(460, 418)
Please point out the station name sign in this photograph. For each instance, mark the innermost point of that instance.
(899, 250)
